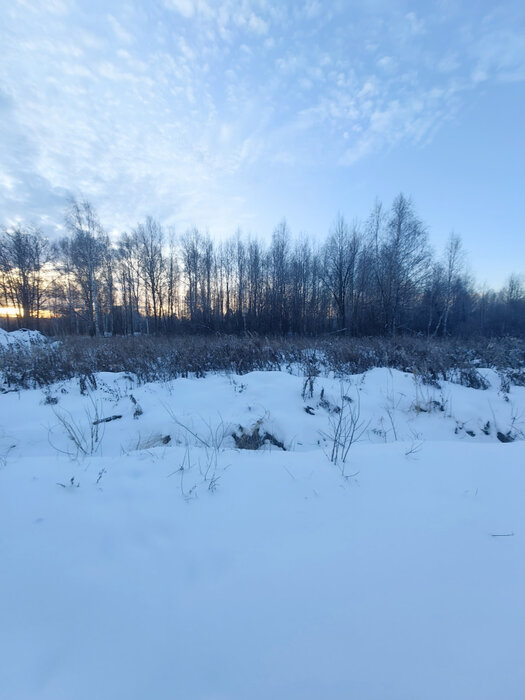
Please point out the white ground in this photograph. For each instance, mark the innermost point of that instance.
(399, 575)
(22, 338)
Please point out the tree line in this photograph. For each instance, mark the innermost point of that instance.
(377, 277)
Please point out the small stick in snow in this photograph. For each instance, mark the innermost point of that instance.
(289, 472)
(106, 420)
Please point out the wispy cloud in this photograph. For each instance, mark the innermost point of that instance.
(167, 108)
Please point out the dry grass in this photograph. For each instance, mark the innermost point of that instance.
(153, 358)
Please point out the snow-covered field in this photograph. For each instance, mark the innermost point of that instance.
(149, 557)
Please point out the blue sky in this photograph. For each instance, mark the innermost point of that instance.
(238, 113)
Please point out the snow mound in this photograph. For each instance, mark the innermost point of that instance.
(22, 338)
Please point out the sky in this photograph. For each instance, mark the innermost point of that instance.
(234, 114)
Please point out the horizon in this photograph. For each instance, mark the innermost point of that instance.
(241, 113)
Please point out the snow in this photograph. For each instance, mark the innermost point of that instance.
(21, 338)
(258, 574)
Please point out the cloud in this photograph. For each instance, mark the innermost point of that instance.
(312, 9)
(257, 24)
(501, 53)
(185, 7)
(122, 35)
(169, 109)
(386, 63)
(415, 24)
(449, 63)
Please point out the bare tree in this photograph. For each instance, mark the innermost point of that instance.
(149, 239)
(207, 264)
(279, 260)
(23, 255)
(129, 281)
(86, 252)
(172, 279)
(240, 274)
(513, 296)
(191, 260)
(108, 286)
(254, 280)
(341, 255)
(402, 260)
(453, 264)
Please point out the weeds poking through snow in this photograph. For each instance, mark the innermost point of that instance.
(414, 449)
(185, 466)
(138, 409)
(209, 446)
(4, 455)
(486, 428)
(392, 423)
(346, 428)
(425, 400)
(72, 484)
(86, 437)
(100, 475)
(311, 372)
